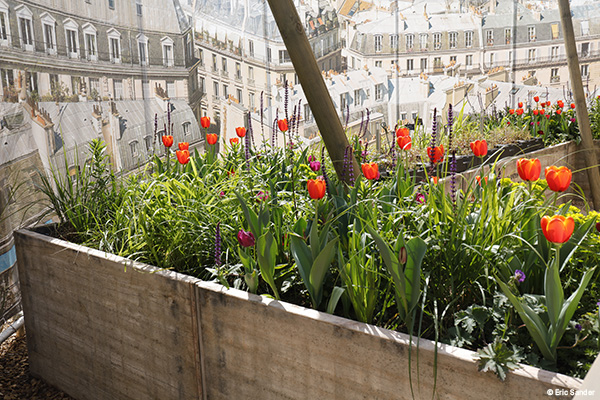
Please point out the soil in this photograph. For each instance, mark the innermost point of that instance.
(16, 383)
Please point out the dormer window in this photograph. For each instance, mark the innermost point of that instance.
(72, 38)
(114, 45)
(25, 23)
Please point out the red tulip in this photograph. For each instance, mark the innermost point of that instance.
(184, 146)
(536, 99)
(371, 171)
(435, 180)
(511, 111)
(540, 132)
(572, 105)
(405, 142)
(233, 141)
(167, 140)
(558, 111)
(283, 125)
(245, 239)
(557, 229)
(240, 131)
(547, 116)
(211, 138)
(183, 156)
(205, 122)
(535, 112)
(558, 178)
(560, 103)
(529, 169)
(485, 179)
(316, 188)
(548, 103)
(520, 104)
(479, 148)
(402, 132)
(435, 154)
(542, 111)
(519, 111)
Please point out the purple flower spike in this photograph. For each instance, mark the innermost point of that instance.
(578, 327)
(520, 275)
(245, 239)
(218, 245)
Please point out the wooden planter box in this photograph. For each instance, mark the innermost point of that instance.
(104, 327)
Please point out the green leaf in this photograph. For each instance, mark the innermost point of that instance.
(336, 294)
(415, 249)
(250, 215)
(267, 252)
(304, 260)
(554, 292)
(319, 269)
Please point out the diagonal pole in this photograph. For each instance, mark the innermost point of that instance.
(583, 119)
(312, 82)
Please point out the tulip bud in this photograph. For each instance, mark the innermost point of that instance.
(403, 255)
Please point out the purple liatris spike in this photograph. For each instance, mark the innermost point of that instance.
(218, 245)
(345, 168)
(247, 147)
(433, 142)
(250, 131)
(452, 159)
(285, 100)
(367, 122)
(365, 152)
(350, 165)
(362, 121)
(347, 116)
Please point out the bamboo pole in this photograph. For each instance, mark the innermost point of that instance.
(315, 90)
(583, 119)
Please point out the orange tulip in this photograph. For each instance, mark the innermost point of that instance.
(370, 171)
(234, 141)
(557, 229)
(211, 138)
(184, 146)
(511, 111)
(542, 111)
(535, 112)
(558, 178)
(520, 104)
(485, 179)
(435, 154)
(558, 111)
(283, 125)
(435, 180)
(316, 188)
(519, 111)
(402, 132)
(167, 140)
(572, 105)
(479, 148)
(240, 131)
(183, 156)
(404, 142)
(205, 122)
(560, 103)
(529, 169)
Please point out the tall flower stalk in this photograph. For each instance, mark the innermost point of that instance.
(452, 158)
(433, 142)
(218, 261)
(247, 144)
(325, 177)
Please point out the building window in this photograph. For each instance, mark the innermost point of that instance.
(133, 148)
(437, 41)
(251, 48)
(238, 70)
(111, 4)
(378, 39)
(138, 7)
(91, 46)
(554, 31)
(423, 64)
(72, 38)
(585, 72)
(143, 48)
(379, 92)
(492, 59)
(469, 39)
(554, 77)
(437, 62)
(508, 35)
(118, 89)
(452, 39)
(357, 98)
(186, 128)
(269, 57)
(343, 102)
(423, 38)
(409, 65)
(4, 27)
(202, 83)
(489, 36)
(214, 63)
(453, 60)
(531, 55)
(216, 89)
(171, 89)
(225, 91)
(585, 49)
(378, 63)
(554, 52)
(531, 33)
(167, 50)
(32, 80)
(251, 101)
(410, 42)
(239, 95)
(469, 60)
(250, 72)
(224, 64)
(24, 18)
(284, 56)
(148, 142)
(114, 44)
(394, 42)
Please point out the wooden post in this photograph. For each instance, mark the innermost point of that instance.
(309, 75)
(583, 120)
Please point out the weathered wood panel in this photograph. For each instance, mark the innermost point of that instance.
(256, 348)
(101, 327)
